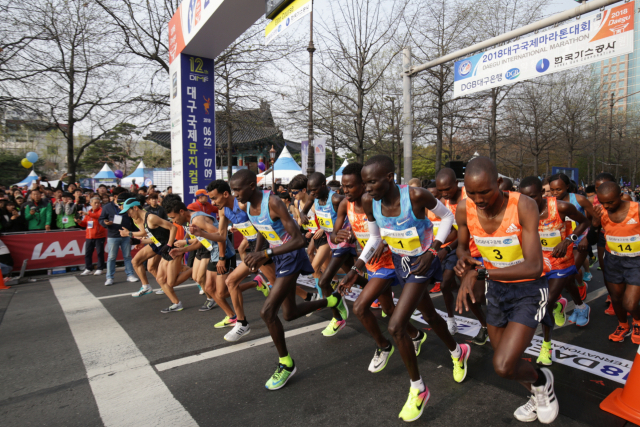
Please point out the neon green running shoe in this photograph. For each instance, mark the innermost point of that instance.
(418, 341)
(262, 286)
(334, 327)
(280, 377)
(545, 354)
(384, 314)
(342, 307)
(558, 312)
(227, 322)
(412, 410)
(460, 364)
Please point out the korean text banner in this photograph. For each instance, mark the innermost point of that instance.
(577, 42)
(288, 16)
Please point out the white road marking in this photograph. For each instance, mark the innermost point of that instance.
(128, 294)
(128, 391)
(234, 348)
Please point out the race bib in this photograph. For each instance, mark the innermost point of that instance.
(153, 238)
(312, 225)
(89, 224)
(270, 234)
(247, 230)
(624, 246)
(362, 236)
(403, 242)
(324, 221)
(206, 243)
(550, 239)
(500, 251)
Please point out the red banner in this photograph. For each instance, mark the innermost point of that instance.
(49, 249)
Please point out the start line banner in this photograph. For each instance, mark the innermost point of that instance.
(577, 42)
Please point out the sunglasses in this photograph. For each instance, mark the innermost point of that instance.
(295, 192)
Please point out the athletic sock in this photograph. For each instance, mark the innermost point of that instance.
(209, 299)
(418, 337)
(581, 306)
(287, 361)
(243, 322)
(457, 352)
(546, 344)
(542, 379)
(332, 301)
(308, 297)
(418, 384)
(233, 317)
(387, 348)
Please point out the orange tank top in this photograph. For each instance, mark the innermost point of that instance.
(623, 239)
(553, 230)
(436, 221)
(360, 227)
(503, 247)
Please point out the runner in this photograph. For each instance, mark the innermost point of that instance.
(326, 204)
(381, 272)
(516, 290)
(557, 238)
(431, 187)
(269, 216)
(621, 224)
(397, 215)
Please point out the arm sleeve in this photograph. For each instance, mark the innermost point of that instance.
(372, 243)
(446, 221)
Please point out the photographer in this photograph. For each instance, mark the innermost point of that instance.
(65, 212)
(38, 212)
(96, 235)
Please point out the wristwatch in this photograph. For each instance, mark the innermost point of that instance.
(483, 274)
(448, 249)
(269, 252)
(573, 238)
(222, 258)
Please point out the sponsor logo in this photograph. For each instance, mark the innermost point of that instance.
(409, 233)
(464, 68)
(285, 271)
(632, 221)
(400, 223)
(512, 228)
(512, 74)
(288, 21)
(542, 65)
(507, 241)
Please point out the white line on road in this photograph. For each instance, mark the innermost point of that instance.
(127, 390)
(232, 349)
(128, 294)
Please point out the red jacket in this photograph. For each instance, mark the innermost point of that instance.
(97, 231)
(207, 208)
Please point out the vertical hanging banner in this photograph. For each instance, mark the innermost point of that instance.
(304, 156)
(193, 149)
(577, 42)
(321, 154)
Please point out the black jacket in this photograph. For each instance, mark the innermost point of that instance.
(109, 211)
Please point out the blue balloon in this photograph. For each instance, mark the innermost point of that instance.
(32, 157)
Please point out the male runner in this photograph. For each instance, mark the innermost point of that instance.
(269, 216)
(381, 272)
(397, 215)
(326, 204)
(621, 224)
(504, 226)
(557, 238)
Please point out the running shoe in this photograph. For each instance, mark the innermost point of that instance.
(226, 322)
(599, 268)
(610, 311)
(545, 354)
(376, 304)
(583, 290)
(97, 273)
(209, 304)
(412, 410)
(383, 314)
(558, 312)
(592, 261)
(108, 282)
(481, 338)
(418, 341)
(452, 326)
(280, 377)
(86, 273)
(262, 286)
(436, 288)
(635, 335)
(172, 308)
(620, 333)
(201, 290)
(460, 364)
(547, 407)
(143, 291)
(587, 276)
(159, 291)
(380, 359)
(608, 300)
(582, 316)
(334, 327)
(528, 411)
(132, 279)
(342, 306)
(237, 332)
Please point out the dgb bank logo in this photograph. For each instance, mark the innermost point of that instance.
(507, 241)
(512, 74)
(464, 68)
(542, 65)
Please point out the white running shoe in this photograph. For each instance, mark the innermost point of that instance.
(452, 326)
(380, 359)
(109, 282)
(527, 412)
(159, 291)
(546, 400)
(144, 290)
(132, 279)
(86, 273)
(97, 273)
(237, 332)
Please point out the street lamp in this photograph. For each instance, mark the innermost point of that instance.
(272, 156)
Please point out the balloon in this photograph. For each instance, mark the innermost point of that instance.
(26, 163)
(262, 167)
(32, 157)
(118, 174)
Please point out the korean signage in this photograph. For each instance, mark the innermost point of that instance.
(286, 18)
(578, 42)
(193, 148)
(186, 22)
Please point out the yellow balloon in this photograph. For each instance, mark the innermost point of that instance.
(26, 163)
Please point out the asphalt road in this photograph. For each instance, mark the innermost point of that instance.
(77, 353)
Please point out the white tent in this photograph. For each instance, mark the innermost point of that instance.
(137, 174)
(28, 180)
(285, 169)
(105, 173)
(339, 171)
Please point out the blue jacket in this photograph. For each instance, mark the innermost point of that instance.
(109, 211)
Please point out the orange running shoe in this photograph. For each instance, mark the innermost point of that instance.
(620, 333)
(375, 304)
(583, 290)
(436, 288)
(609, 311)
(635, 335)
(608, 300)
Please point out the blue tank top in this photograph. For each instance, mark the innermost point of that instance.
(574, 201)
(327, 216)
(405, 234)
(208, 244)
(240, 220)
(272, 230)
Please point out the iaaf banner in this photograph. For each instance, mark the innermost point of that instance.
(578, 42)
(49, 249)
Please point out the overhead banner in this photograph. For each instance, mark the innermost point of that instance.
(578, 42)
(288, 16)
